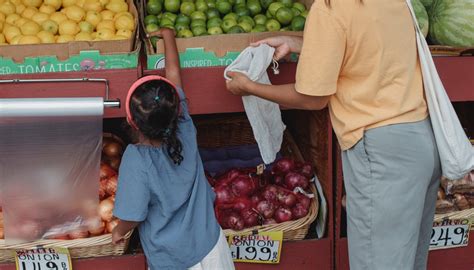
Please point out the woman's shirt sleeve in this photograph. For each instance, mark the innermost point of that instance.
(322, 54)
(133, 193)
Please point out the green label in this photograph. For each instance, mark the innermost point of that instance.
(86, 60)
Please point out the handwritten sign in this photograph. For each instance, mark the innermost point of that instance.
(43, 259)
(450, 234)
(261, 247)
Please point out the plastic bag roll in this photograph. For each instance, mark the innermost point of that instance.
(49, 166)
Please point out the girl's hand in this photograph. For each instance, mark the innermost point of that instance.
(239, 84)
(283, 45)
(117, 237)
(162, 32)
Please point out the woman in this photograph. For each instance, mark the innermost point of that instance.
(360, 59)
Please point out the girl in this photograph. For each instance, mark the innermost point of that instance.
(162, 188)
(360, 58)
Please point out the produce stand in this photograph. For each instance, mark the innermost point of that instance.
(457, 74)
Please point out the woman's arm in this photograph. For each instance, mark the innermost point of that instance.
(172, 68)
(122, 228)
(285, 95)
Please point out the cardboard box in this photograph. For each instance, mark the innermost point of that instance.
(208, 51)
(12, 57)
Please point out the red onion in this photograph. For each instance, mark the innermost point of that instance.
(279, 180)
(250, 217)
(242, 203)
(223, 195)
(210, 179)
(294, 179)
(115, 162)
(79, 233)
(243, 185)
(111, 185)
(102, 188)
(105, 209)
(106, 171)
(286, 198)
(255, 199)
(299, 211)
(112, 149)
(269, 221)
(307, 170)
(266, 209)
(283, 166)
(269, 193)
(303, 200)
(234, 221)
(283, 214)
(111, 225)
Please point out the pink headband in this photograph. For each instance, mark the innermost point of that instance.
(135, 85)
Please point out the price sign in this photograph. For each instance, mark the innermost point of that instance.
(262, 247)
(450, 234)
(43, 259)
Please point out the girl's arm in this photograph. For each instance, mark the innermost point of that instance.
(122, 228)
(172, 68)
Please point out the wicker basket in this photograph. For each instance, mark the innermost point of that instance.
(236, 130)
(97, 246)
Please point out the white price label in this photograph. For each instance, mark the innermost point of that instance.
(450, 236)
(43, 259)
(264, 247)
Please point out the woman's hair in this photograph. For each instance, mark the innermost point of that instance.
(154, 107)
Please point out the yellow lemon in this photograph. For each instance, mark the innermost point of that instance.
(64, 38)
(12, 18)
(107, 15)
(75, 13)
(10, 32)
(47, 9)
(15, 40)
(83, 36)
(86, 27)
(104, 2)
(2, 17)
(93, 5)
(20, 8)
(54, 3)
(15, 2)
(29, 12)
(123, 13)
(50, 26)
(7, 8)
(32, 3)
(58, 17)
(20, 22)
(124, 23)
(30, 28)
(46, 37)
(40, 17)
(2, 39)
(106, 24)
(1, 26)
(68, 27)
(68, 3)
(105, 34)
(94, 35)
(124, 33)
(93, 18)
(80, 3)
(29, 40)
(117, 6)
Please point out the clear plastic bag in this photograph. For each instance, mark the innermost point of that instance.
(49, 166)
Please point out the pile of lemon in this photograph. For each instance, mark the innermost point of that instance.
(60, 21)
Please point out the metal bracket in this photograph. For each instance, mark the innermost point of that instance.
(109, 103)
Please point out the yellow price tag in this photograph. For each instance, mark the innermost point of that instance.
(260, 247)
(51, 258)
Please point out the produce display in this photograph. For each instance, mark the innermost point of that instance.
(455, 195)
(450, 23)
(212, 17)
(60, 21)
(112, 150)
(245, 199)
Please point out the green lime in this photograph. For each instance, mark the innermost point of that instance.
(227, 24)
(152, 28)
(154, 8)
(284, 15)
(295, 11)
(197, 23)
(198, 15)
(232, 2)
(180, 27)
(172, 5)
(216, 30)
(246, 26)
(273, 25)
(285, 29)
(297, 24)
(214, 22)
(211, 4)
(259, 28)
(240, 2)
(166, 21)
(199, 31)
(268, 14)
(236, 29)
(187, 8)
(183, 19)
(260, 19)
(265, 3)
(241, 11)
(247, 19)
(299, 6)
(153, 41)
(224, 7)
(185, 33)
(232, 16)
(274, 7)
(201, 5)
(212, 13)
(151, 19)
(254, 7)
(190, 1)
(286, 3)
(170, 16)
(304, 13)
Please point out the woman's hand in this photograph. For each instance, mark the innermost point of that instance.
(117, 237)
(283, 45)
(239, 84)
